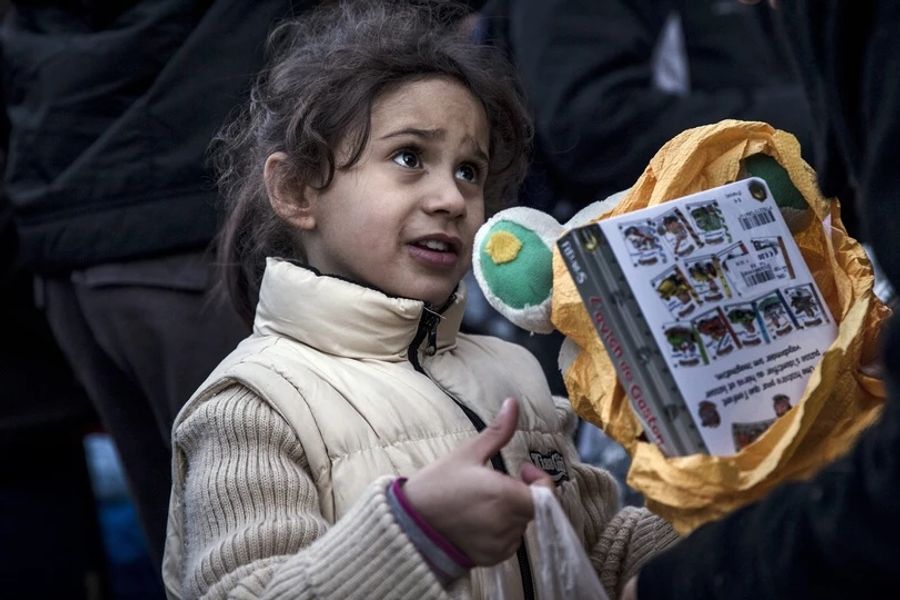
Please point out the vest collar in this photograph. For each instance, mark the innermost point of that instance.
(343, 318)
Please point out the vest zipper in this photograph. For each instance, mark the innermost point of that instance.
(428, 328)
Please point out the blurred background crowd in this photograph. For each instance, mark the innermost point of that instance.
(108, 211)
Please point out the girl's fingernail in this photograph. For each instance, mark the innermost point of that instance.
(504, 408)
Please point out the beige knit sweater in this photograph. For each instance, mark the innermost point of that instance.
(253, 528)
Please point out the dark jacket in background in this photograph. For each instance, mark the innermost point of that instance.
(112, 106)
(838, 535)
(601, 113)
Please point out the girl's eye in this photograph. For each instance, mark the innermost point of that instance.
(408, 159)
(467, 172)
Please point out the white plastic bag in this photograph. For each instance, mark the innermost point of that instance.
(562, 568)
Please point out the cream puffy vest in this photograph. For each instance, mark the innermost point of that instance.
(333, 358)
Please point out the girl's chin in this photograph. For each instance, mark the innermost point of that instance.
(435, 298)
(435, 301)
(434, 288)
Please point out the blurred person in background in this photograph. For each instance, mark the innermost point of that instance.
(611, 81)
(111, 107)
(48, 518)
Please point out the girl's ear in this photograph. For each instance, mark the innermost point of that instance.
(289, 201)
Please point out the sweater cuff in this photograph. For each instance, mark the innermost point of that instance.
(446, 560)
(364, 555)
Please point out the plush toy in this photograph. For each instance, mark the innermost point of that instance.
(513, 261)
(521, 274)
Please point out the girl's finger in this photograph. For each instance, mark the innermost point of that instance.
(532, 475)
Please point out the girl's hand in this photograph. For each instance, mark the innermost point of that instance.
(481, 511)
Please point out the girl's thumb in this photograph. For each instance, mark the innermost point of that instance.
(497, 434)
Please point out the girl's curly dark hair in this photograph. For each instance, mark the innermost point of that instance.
(324, 71)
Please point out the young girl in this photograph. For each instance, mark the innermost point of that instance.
(371, 149)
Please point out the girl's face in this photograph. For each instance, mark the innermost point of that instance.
(404, 217)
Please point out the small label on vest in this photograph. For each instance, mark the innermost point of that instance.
(552, 463)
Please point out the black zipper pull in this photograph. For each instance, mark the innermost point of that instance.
(431, 324)
(427, 331)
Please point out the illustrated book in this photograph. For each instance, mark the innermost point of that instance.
(708, 312)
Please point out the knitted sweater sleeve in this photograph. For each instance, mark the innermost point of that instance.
(619, 542)
(245, 520)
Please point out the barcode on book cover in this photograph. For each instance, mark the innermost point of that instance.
(758, 276)
(757, 218)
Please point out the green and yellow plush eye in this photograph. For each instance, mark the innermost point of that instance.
(513, 264)
(517, 264)
(513, 261)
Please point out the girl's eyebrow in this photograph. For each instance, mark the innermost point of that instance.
(430, 134)
(434, 134)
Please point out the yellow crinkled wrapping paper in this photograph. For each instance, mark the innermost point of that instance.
(840, 399)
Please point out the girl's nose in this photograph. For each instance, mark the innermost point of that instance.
(446, 197)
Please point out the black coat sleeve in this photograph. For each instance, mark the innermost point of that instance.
(586, 68)
(835, 536)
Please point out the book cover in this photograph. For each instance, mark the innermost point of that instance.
(712, 304)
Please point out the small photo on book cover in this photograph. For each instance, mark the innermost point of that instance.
(642, 242)
(745, 434)
(777, 318)
(684, 345)
(708, 414)
(677, 232)
(715, 333)
(805, 305)
(707, 278)
(673, 289)
(707, 217)
(781, 404)
(747, 323)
